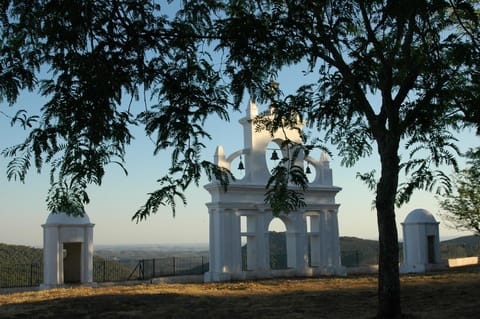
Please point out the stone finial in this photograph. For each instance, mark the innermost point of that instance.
(252, 109)
(324, 158)
(219, 152)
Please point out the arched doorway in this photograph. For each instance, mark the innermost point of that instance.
(277, 244)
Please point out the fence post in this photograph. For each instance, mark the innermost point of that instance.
(104, 270)
(31, 275)
(153, 267)
(173, 266)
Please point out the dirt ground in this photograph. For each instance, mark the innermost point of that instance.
(452, 294)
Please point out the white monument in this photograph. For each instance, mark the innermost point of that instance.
(67, 250)
(421, 243)
(242, 214)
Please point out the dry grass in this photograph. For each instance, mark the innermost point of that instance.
(453, 294)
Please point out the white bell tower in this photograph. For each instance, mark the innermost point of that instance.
(241, 212)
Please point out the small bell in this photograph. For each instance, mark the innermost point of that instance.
(274, 156)
(308, 170)
(240, 165)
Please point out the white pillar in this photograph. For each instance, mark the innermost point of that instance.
(262, 242)
(335, 239)
(225, 245)
(52, 276)
(315, 242)
(87, 255)
(323, 239)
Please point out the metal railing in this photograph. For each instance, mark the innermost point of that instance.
(31, 275)
(21, 275)
(170, 266)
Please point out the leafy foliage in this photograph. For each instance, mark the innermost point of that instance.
(462, 207)
(68, 197)
(96, 58)
(418, 58)
(16, 254)
(281, 196)
(387, 73)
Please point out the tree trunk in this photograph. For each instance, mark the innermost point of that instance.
(388, 274)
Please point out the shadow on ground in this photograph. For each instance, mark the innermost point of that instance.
(450, 295)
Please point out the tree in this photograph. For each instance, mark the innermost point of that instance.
(419, 57)
(462, 207)
(91, 59)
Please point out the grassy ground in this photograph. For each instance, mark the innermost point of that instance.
(452, 294)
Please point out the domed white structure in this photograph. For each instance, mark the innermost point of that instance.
(421, 242)
(241, 214)
(420, 216)
(67, 250)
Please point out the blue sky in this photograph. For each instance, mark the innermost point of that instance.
(23, 208)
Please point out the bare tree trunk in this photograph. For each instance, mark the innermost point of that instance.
(388, 275)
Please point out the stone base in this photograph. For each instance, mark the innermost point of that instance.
(421, 268)
(280, 273)
(216, 277)
(55, 286)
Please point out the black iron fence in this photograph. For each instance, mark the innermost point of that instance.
(355, 258)
(459, 250)
(30, 275)
(123, 270)
(21, 275)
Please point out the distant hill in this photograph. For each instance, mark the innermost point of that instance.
(468, 240)
(460, 247)
(16, 254)
(355, 251)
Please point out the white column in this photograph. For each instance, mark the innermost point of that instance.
(236, 247)
(301, 242)
(252, 242)
(335, 239)
(262, 242)
(225, 244)
(315, 242)
(212, 242)
(87, 255)
(329, 235)
(52, 257)
(323, 238)
(226, 240)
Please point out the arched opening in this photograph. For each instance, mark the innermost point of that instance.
(278, 244)
(273, 155)
(310, 171)
(238, 167)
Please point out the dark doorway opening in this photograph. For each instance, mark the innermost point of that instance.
(72, 262)
(431, 249)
